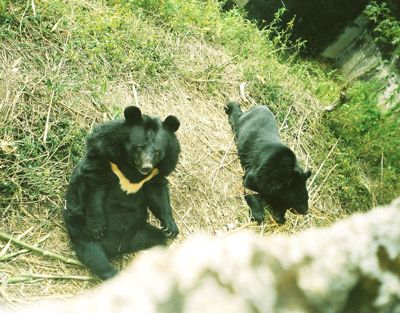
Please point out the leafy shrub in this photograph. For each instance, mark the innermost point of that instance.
(385, 26)
(369, 143)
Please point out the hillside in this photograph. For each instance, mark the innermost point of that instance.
(67, 65)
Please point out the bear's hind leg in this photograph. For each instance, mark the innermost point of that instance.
(144, 238)
(94, 257)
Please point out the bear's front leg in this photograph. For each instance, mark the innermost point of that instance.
(256, 205)
(249, 181)
(278, 215)
(96, 224)
(93, 201)
(158, 201)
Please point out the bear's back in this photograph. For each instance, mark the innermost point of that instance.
(257, 127)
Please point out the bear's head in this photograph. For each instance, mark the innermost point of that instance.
(151, 142)
(138, 142)
(280, 180)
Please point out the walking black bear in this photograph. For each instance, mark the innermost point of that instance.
(121, 176)
(271, 168)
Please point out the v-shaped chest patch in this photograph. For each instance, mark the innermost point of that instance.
(126, 185)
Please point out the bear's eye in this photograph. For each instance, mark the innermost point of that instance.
(157, 153)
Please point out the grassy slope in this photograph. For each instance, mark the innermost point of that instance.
(68, 65)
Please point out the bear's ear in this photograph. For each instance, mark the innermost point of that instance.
(171, 123)
(133, 115)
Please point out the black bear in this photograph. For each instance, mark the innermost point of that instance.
(122, 174)
(271, 168)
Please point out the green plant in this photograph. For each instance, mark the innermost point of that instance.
(385, 26)
(369, 141)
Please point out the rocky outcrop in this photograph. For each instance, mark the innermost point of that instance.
(357, 56)
(352, 266)
(340, 32)
(319, 22)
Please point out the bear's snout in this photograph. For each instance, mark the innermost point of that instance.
(145, 169)
(144, 163)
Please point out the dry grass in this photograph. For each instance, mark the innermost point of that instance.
(36, 157)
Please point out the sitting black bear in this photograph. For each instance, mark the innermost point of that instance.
(121, 176)
(271, 168)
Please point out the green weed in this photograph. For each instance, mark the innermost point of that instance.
(385, 26)
(369, 141)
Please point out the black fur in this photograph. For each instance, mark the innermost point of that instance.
(271, 168)
(102, 220)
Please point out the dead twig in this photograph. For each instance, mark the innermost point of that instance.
(221, 165)
(33, 7)
(12, 255)
(322, 165)
(283, 124)
(245, 98)
(47, 126)
(134, 89)
(243, 93)
(4, 295)
(227, 62)
(28, 277)
(315, 190)
(50, 254)
(183, 221)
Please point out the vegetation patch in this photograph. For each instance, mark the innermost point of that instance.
(369, 140)
(385, 26)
